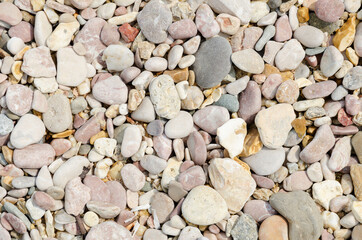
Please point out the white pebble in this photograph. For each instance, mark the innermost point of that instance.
(91, 218)
(15, 44)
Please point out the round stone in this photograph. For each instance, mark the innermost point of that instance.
(288, 92)
(274, 227)
(34, 156)
(352, 80)
(19, 99)
(290, 56)
(249, 61)
(228, 101)
(58, 117)
(180, 126)
(132, 177)
(331, 61)
(9, 13)
(329, 10)
(204, 206)
(210, 118)
(118, 57)
(153, 164)
(110, 91)
(108, 230)
(309, 36)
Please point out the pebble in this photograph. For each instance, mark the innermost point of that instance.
(14, 103)
(163, 146)
(356, 176)
(352, 80)
(301, 212)
(232, 182)
(288, 92)
(191, 178)
(10, 14)
(37, 62)
(251, 36)
(62, 35)
(270, 86)
(108, 230)
(43, 200)
(254, 64)
(331, 61)
(182, 29)
(28, 130)
(250, 102)
(274, 135)
(58, 117)
(259, 210)
(329, 11)
(325, 191)
(118, 57)
(34, 156)
(163, 205)
(91, 219)
(210, 118)
(322, 142)
(298, 180)
(69, 170)
(309, 36)
(228, 23)
(245, 228)
(283, 30)
(103, 209)
(268, 19)
(110, 91)
(357, 41)
(339, 93)
(164, 96)
(268, 33)
(153, 164)
(205, 22)
(212, 62)
(151, 234)
(154, 20)
(197, 148)
(340, 154)
(274, 227)
(240, 9)
(132, 177)
(231, 136)
(145, 111)
(23, 182)
(265, 166)
(319, 90)
(228, 101)
(180, 126)
(66, 60)
(290, 56)
(15, 45)
(89, 128)
(44, 179)
(204, 206)
(314, 172)
(6, 125)
(356, 141)
(190, 232)
(98, 189)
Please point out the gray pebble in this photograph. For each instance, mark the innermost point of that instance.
(314, 51)
(339, 93)
(6, 124)
(353, 79)
(268, 33)
(238, 86)
(155, 128)
(78, 105)
(230, 102)
(10, 208)
(23, 182)
(302, 71)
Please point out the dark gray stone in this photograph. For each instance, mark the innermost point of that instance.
(302, 213)
(212, 62)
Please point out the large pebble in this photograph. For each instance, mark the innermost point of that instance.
(58, 117)
(163, 205)
(352, 80)
(319, 90)
(6, 125)
(37, 62)
(231, 136)
(250, 102)
(110, 91)
(108, 230)
(249, 61)
(288, 92)
(42, 28)
(329, 10)
(266, 161)
(283, 30)
(210, 118)
(340, 155)
(192, 177)
(290, 56)
(212, 62)
(303, 215)
(90, 128)
(240, 9)
(164, 96)
(34, 156)
(145, 111)
(232, 182)
(19, 99)
(117, 57)
(132, 177)
(205, 21)
(274, 227)
(180, 126)
(325, 191)
(131, 141)
(274, 124)
(204, 206)
(28, 130)
(245, 228)
(309, 36)
(9, 13)
(67, 75)
(99, 190)
(297, 181)
(104, 209)
(153, 164)
(331, 61)
(259, 210)
(182, 29)
(69, 170)
(322, 142)
(197, 148)
(154, 20)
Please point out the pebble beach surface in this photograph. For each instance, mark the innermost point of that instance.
(180, 120)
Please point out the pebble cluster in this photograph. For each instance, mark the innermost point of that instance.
(188, 120)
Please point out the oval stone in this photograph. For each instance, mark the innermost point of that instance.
(210, 118)
(58, 117)
(110, 91)
(108, 230)
(19, 99)
(180, 126)
(34, 156)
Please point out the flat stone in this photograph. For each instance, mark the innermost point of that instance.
(259, 210)
(155, 128)
(163, 146)
(153, 164)
(319, 90)
(274, 124)
(290, 56)
(44, 179)
(204, 206)
(254, 63)
(283, 30)
(132, 177)
(197, 148)
(245, 228)
(110, 91)
(322, 142)
(43, 200)
(352, 80)
(89, 36)
(232, 182)
(15, 222)
(331, 61)
(302, 214)
(118, 194)
(192, 177)
(309, 36)
(37, 62)
(89, 128)
(62, 35)
(69, 170)
(288, 92)
(117, 57)
(212, 62)
(163, 205)
(297, 181)
(67, 75)
(240, 9)
(34, 156)
(154, 20)
(231, 136)
(131, 141)
(104, 209)
(329, 11)
(10, 13)
(39, 103)
(314, 172)
(180, 126)
(266, 161)
(250, 102)
(28, 130)
(228, 101)
(108, 230)
(23, 30)
(164, 96)
(340, 155)
(210, 118)
(182, 29)
(274, 227)
(325, 191)
(58, 117)
(98, 189)
(205, 21)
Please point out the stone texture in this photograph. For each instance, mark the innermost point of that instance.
(108, 230)
(34, 156)
(250, 102)
(210, 118)
(37, 62)
(290, 56)
(110, 91)
(67, 75)
(76, 196)
(58, 117)
(19, 99)
(245, 228)
(274, 227)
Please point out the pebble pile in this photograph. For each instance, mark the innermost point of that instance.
(180, 120)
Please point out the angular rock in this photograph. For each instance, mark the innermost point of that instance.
(67, 75)
(210, 118)
(37, 62)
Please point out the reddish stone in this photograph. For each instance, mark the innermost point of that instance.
(99, 190)
(344, 118)
(88, 13)
(192, 177)
(120, 11)
(128, 32)
(90, 128)
(283, 31)
(44, 200)
(78, 121)
(61, 146)
(16, 223)
(23, 30)
(34, 156)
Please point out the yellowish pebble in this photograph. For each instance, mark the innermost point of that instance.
(303, 14)
(101, 134)
(345, 35)
(352, 56)
(252, 143)
(64, 134)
